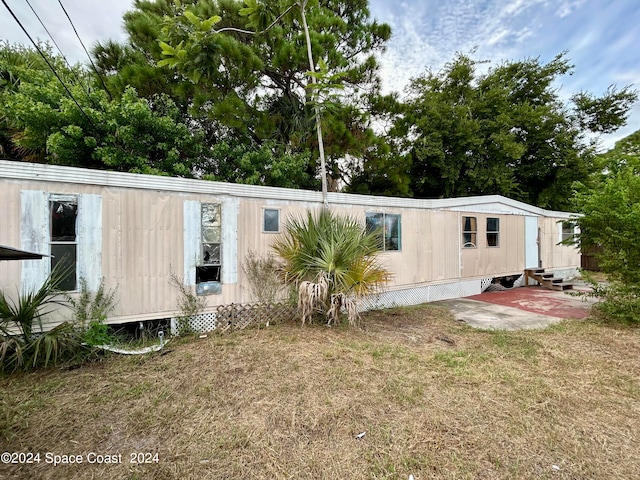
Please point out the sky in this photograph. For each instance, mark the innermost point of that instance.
(601, 37)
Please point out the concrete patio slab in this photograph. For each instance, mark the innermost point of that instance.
(518, 308)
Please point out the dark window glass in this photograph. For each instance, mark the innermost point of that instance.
(271, 220)
(493, 232)
(65, 256)
(389, 228)
(63, 221)
(469, 232)
(63, 215)
(374, 222)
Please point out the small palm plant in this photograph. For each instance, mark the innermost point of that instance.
(23, 315)
(333, 262)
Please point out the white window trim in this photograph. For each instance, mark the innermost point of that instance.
(279, 221)
(35, 236)
(384, 226)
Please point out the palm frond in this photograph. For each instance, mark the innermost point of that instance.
(336, 247)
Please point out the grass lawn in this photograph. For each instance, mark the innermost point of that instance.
(433, 398)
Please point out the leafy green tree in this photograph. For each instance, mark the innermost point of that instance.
(504, 132)
(43, 123)
(610, 221)
(253, 89)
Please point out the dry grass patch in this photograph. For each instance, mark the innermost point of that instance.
(436, 399)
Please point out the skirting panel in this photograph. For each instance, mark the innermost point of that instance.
(424, 294)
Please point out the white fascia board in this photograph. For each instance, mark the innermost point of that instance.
(62, 174)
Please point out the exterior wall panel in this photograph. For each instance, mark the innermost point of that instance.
(554, 255)
(149, 225)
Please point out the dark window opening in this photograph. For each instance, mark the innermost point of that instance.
(469, 232)
(493, 232)
(271, 220)
(208, 274)
(63, 217)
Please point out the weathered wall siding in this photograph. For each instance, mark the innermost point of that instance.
(145, 231)
(554, 255)
(506, 259)
(10, 235)
(441, 235)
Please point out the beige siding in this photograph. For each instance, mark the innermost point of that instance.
(505, 259)
(552, 254)
(10, 236)
(143, 232)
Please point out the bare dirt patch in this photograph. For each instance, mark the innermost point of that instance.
(434, 398)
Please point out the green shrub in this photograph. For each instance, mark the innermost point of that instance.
(332, 260)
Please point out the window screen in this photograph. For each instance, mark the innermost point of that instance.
(271, 220)
(493, 232)
(469, 232)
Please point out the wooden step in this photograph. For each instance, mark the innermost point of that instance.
(548, 279)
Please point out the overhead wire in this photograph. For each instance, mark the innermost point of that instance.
(95, 69)
(44, 57)
(73, 72)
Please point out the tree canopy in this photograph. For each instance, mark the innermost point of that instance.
(251, 87)
(66, 119)
(610, 222)
(222, 90)
(505, 131)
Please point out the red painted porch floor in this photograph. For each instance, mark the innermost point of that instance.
(520, 308)
(540, 300)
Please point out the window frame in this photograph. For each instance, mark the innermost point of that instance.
(472, 232)
(54, 260)
(495, 232)
(210, 270)
(567, 237)
(386, 239)
(264, 220)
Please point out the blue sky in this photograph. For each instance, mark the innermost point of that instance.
(602, 37)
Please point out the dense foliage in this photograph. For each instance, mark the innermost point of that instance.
(611, 224)
(504, 132)
(39, 121)
(243, 79)
(221, 90)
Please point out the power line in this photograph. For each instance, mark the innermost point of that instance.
(49, 64)
(63, 56)
(85, 51)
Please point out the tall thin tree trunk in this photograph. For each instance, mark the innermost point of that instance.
(323, 165)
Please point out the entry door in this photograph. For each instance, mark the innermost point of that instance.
(531, 242)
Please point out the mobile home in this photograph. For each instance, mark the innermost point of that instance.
(135, 232)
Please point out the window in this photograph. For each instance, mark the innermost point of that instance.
(390, 228)
(63, 215)
(568, 231)
(209, 270)
(493, 232)
(469, 232)
(271, 220)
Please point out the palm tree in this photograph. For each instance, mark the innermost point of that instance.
(24, 316)
(333, 262)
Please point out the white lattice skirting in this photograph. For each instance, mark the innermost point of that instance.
(425, 293)
(392, 298)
